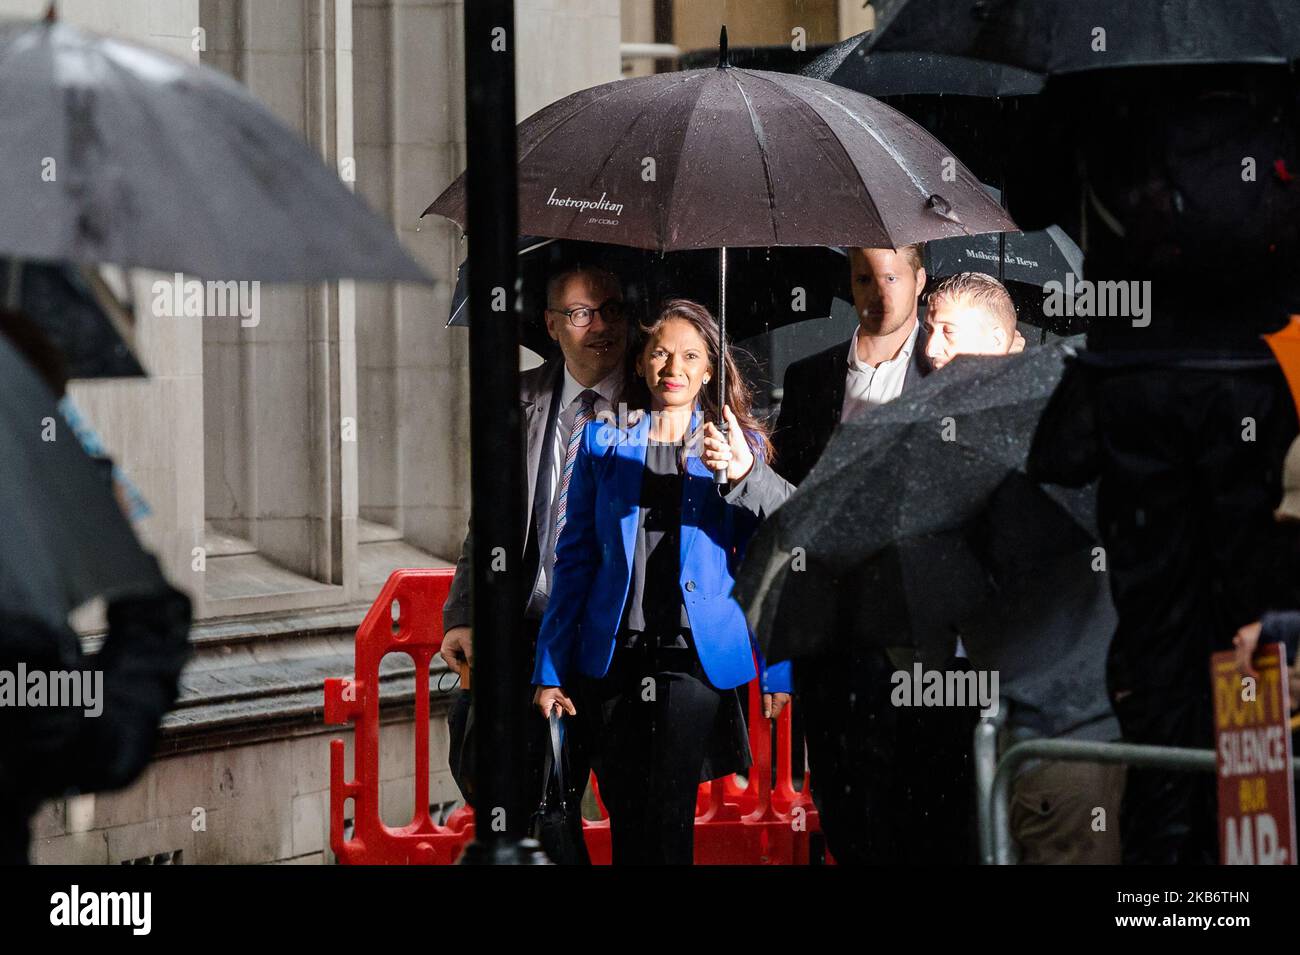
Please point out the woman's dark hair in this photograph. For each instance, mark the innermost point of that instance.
(740, 396)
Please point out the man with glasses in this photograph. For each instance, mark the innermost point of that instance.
(584, 315)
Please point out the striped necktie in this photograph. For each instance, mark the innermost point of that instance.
(586, 405)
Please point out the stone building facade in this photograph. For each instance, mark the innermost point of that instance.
(292, 465)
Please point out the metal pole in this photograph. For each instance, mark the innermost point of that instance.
(986, 767)
(496, 436)
(1175, 758)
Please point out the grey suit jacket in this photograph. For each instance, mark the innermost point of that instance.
(538, 388)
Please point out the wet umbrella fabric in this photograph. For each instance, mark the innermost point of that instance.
(728, 157)
(1068, 36)
(115, 153)
(1032, 259)
(885, 74)
(66, 540)
(70, 309)
(979, 579)
(903, 486)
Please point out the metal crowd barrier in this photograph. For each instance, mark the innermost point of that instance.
(994, 789)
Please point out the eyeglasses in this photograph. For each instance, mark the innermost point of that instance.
(610, 309)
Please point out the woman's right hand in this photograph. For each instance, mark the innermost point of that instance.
(546, 697)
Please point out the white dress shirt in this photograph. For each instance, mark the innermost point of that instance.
(865, 386)
(606, 391)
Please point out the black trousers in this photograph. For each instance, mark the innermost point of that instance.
(1168, 818)
(893, 785)
(648, 722)
(537, 740)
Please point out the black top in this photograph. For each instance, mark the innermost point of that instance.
(654, 599)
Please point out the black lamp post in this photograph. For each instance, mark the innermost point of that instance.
(496, 437)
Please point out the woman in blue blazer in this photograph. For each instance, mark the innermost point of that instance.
(641, 637)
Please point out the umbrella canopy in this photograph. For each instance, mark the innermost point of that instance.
(1031, 258)
(65, 539)
(1046, 619)
(732, 157)
(116, 153)
(922, 466)
(76, 312)
(760, 285)
(886, 73)
(1062, 36)
(1286, 346)
(980, 579)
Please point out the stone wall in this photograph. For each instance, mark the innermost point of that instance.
(234, 439)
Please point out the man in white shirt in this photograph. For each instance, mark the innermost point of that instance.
(891, 784)
(885, 355)
(886, 289)
(585, 316)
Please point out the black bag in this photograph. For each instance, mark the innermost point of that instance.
(558, 830)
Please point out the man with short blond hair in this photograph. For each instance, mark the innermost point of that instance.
(970, 313)
(885, 355)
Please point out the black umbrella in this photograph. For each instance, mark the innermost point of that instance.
(116, 153)
(1069, 36)
(1046, 618)
(908, 479)
(1032, 259)
(76, 312)
(886, 74)
(65, 538)
(983, 111)
(727, 157)
(711, 159)
(1025, 262)
(767, 288)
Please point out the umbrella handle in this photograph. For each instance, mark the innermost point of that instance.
(720, 475)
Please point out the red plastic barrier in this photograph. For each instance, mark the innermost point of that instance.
(406, 617)
(758, 824)
(754, 824)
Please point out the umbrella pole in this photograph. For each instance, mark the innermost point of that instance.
(720, 475)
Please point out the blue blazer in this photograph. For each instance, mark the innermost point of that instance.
(593, 563)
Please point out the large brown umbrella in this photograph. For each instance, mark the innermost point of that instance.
(705, 159)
